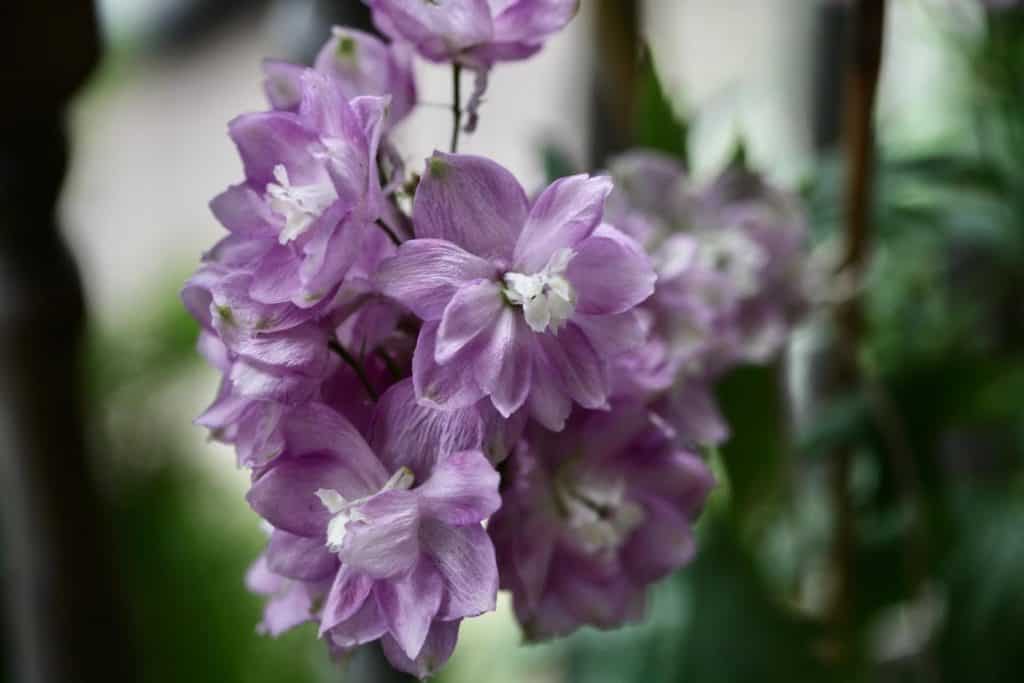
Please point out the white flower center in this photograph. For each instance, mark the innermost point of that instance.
(547, 297)
(344, 511)
(598, 513)
(300, 205)
(734, 255)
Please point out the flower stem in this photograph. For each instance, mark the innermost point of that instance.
(349, 359)
(866, 23)
(456, 105)
(391, 233)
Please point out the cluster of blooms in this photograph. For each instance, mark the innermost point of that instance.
(487, 389)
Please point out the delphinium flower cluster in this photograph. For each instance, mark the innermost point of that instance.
(443, 386)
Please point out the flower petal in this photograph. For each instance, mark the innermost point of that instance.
(563, 216)
(548, 401)
(503, 368)
(366, 625)
(530, 20)
(409, 604)
(317, 428)
(584, 376)
(438, 30)
(346, 598)
(436, 651)
(245, 212)
(406, 434)
(286, 496)
(300, 558)
(465, 557)
(462, 489)
(471, 201)
(472, 310)
(426, 273)
(610, 273)
(382, 539)
(444, 387)
(267, 139)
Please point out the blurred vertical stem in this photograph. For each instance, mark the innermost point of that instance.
(864, 59)
(456, 105)
(616, 58)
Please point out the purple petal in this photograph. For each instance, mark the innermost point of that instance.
(471, 311)
(563, 216)
(532, 20)
(409, 604)
(406, 434)
(365, 626)
(302, 348)
(383, 541)
(335, 244)
(659, 546)
(300, 558)
(444, 387)
(286, 496)
(503, 366)
(316, 428)
(583, 374)
(462, 489)
(277, 278)
(267, 139)
(548, 401)
(465, 557)
(439, 30)
(471, 201)
(612, 335)
(282, 84)
(245, 212)
(436, 651)
(610, 273)
(346, 598)
(364, 65)
(426, 273)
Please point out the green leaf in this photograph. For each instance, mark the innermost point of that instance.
(658, 126)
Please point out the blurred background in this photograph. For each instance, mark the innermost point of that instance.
(899, 487)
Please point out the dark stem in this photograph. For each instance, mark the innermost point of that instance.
(863, 64)
(389, 362)
(456, 105)
(391, 233)
(333, 345)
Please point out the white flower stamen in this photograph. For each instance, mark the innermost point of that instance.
(736, 256)
(598, 513)
(344, 511)
(300, 205)
(547, 297)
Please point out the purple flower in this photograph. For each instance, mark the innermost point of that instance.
(397, 532)
(359, 64)
(728, 256)
(592, 515)
(476, 33)
(311, 191)
(523, 304)
(473, 33)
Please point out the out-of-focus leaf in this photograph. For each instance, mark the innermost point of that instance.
(751, 401)
(658, 127)
(844, 421)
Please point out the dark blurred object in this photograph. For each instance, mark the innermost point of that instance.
(616, 58)
(830, 39)
(183, 24)
(64, 612)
